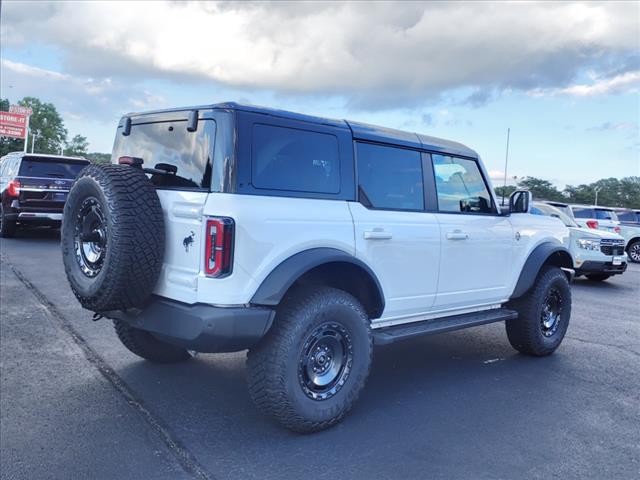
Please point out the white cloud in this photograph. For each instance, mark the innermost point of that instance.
(628, 82)
(77, 97)
(373, 54)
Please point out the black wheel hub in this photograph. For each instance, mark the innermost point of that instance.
(90, 239)
(325, 361)
(634, 252)
(551, 314)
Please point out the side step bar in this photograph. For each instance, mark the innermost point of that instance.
(384, 336)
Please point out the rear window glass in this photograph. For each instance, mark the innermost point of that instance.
(294, 160)
(584, 213)
(49, 169)
(605, 215)
(390, 178)
(170, 143)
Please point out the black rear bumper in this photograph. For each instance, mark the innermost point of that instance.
(608, 268)
(200, 327)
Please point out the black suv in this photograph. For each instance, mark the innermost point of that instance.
(33, 189)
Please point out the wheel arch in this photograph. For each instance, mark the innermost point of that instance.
(547, 253)
(326, 266)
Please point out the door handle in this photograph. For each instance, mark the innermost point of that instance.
(377, 234)
(457, 235)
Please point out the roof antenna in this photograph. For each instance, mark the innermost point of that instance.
(506, 163)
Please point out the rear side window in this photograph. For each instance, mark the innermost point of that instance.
(390, 178)
(460, 186)
(170, 143)
(628, 217)
(49, 168)
(294, 160)
(584, 213)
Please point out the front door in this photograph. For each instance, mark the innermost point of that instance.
(477, 243)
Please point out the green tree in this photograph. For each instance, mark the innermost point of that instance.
(504, 191)
(45, 122)
(612, 192)
(77, 147)
(97, 157)
(541, 189)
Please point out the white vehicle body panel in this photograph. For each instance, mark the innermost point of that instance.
(403, 248)
(475, 260)
(269, 230)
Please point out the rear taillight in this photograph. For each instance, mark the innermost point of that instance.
(218, 253)
(592, 224)
(616, 229)
(13, 188)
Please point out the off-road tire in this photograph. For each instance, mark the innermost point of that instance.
(597, 277)
(633, 251)
(7, 227)
(145, 345)
(525, 332)
(273, 365)
(134, 232)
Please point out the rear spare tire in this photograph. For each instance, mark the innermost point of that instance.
(112, 237)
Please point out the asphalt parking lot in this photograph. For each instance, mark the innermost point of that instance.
(74, 403)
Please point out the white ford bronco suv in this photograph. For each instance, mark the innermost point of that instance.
(305, 241)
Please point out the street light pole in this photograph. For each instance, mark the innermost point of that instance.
(506, 163)
(34, 134)
(597, 189)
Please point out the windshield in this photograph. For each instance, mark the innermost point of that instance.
(551, 211)
(54, 168)
(170, 143)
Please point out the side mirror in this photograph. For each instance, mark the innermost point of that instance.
(520, 201)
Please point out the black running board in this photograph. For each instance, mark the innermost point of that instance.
(384, 336)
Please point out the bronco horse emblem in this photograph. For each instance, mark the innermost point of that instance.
(188, 241)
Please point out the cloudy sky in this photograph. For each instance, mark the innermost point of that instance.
(565, 77)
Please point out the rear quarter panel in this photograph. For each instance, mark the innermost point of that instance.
(268, 231)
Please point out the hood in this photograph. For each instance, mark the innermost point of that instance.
(593, 234)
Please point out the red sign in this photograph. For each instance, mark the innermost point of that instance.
(20, 109)
(13, 125)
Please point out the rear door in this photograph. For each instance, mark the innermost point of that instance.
(477, 243)
(393, 232)
(164, 143)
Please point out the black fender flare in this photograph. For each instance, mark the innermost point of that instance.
(276, 284)
(559, 256)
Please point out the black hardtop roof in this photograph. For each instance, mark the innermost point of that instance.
(359, 130)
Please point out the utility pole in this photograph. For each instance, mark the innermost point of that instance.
(597, 189)
(34, 134)
(26, 133)
(506, 163)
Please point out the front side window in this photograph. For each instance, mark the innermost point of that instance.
(390, 177)
(296, 160)
(187, 156)
(460, 186)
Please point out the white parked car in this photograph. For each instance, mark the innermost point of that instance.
(607, 219)
(596, 254)
(590, 216)
(305, 240)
